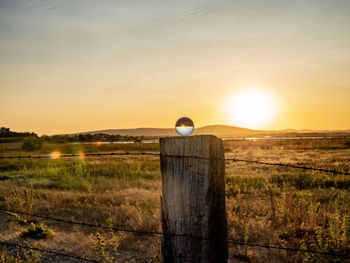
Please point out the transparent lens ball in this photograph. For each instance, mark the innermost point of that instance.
(184, 126)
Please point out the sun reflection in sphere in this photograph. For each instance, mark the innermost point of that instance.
(184, 126)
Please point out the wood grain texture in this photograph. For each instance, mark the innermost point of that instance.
(193, 200)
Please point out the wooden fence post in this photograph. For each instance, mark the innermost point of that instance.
(193, 199)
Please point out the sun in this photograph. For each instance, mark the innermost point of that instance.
(252, 108)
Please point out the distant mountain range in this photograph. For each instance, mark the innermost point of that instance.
(217, 130)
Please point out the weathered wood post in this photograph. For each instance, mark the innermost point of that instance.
(193, 199)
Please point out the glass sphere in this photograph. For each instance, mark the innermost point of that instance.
(184, 126)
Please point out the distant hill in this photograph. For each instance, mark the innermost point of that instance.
(225, 131)
(218, 130)
(221, 131)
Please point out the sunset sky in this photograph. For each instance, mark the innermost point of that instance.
(70, 66)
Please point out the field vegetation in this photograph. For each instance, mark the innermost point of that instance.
(265, 204)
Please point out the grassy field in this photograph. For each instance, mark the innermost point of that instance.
(274, 205)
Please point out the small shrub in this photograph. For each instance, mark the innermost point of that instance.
(227, 150)
(32, 143)
(22, 201)
(23, 257)
(103, 256)
(156, 253)
(17, 218)
(37, 232)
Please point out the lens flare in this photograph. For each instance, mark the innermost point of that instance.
(81, 155)
(55, 155)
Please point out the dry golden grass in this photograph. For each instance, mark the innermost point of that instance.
(274, 205)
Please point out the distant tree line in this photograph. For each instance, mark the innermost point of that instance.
(91, 138)
(7, 136)
(31, 141)
(7, 133)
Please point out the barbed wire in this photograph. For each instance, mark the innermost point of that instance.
(328, 253)
(142, 232)
(158, 154)
(288, 165)
(5, 243)
(120, 229)
(49, 156)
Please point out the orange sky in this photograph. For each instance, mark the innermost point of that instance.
(96, 65)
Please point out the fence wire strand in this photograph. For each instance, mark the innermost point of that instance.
(288, 165)
(142, 232)
(49, 156)
(158, 154)
(5, 243)
(333, 254)
(123, 229)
